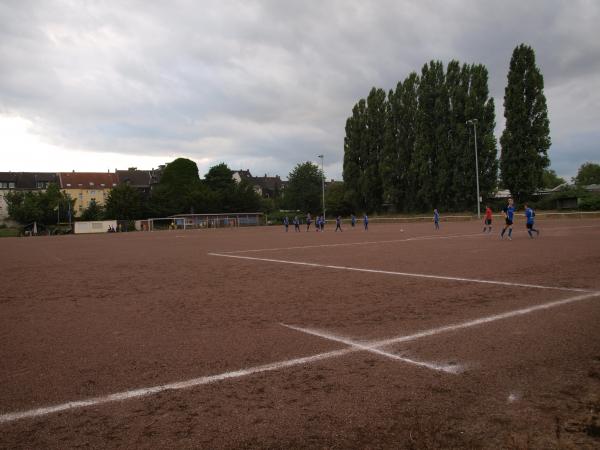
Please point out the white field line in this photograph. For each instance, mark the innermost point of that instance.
(343, 244)
(390, 241)
(375, 349)
(143, 392)
(403, 274)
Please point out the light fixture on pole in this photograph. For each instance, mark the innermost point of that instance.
(474, 123)
(322, 182)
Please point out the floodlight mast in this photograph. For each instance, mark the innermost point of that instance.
(474, 123)
(322, 182)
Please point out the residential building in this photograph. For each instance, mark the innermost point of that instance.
(84, 187)
(266, 187)
(139, 179)
(22, 181)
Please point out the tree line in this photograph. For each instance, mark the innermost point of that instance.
(412, 148)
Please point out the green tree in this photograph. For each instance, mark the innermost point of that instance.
(47, 208)
(478, 107)
(588, 173)
(431, 143)
(180, 172)
(354, 162)
(373, 149)
(124, 202)
(304, 188)
(526, 138)
(219, 178)
(550, 179)
(93, 212)
(175, 193)
(335, 199)
(399, 143)
(363, 150)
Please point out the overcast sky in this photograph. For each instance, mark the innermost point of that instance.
(263, 85)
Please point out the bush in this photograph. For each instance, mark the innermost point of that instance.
(589, 203)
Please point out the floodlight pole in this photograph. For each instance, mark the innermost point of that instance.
(323, 182)
(474, 123)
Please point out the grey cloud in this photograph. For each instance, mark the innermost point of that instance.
(266, 84)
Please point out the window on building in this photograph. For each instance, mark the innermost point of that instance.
(42, 184)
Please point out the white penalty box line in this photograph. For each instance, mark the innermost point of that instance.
(389, 241)
(355, 347)
(403, 274)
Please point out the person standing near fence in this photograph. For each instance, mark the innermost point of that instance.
(352, 220)
(308, 221)
(296, 224)
(286, 223)
(487, 224)
(366, 222)
(436, 219)
(530, 216)
(509, 213)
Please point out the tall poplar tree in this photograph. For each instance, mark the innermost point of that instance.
(399, 143)
(431, 141)
(526, 138)
(478, 106)
(371, 183)
(354, 162)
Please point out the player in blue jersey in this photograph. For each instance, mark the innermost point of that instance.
(530, 216)
(286, 223)
(436, 219)
(509, 214)
(353, 220)
(296, 224)
(308, 221)
(366, 222)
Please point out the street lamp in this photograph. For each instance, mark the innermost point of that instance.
(474, 123)
(323, 182)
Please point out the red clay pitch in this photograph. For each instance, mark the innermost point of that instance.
(85, 317)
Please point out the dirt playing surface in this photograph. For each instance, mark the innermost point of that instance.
(503, 363)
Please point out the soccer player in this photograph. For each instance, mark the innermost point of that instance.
(338, 223)
(366, 222)
(509, 213)
(318, 224)
(296, 224)
(353, 220)
(488, 219)
(436, 219)
(308, 221)
(323, 222)
(530, 215)
(286, 223)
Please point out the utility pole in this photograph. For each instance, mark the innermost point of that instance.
(323, 182)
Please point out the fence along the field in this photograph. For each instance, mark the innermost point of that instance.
(199, 221)
(464, 217)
